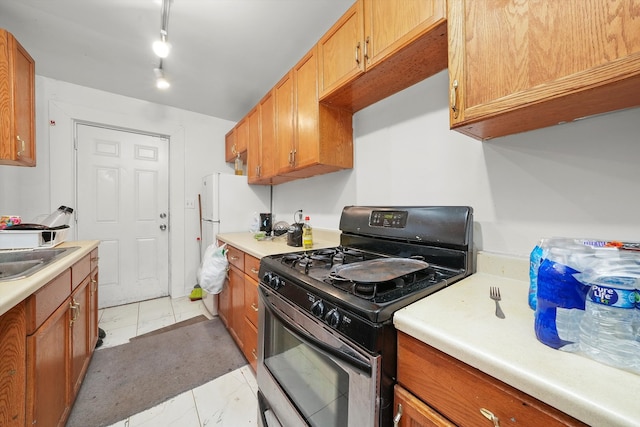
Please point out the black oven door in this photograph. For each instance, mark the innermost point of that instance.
(308, 374)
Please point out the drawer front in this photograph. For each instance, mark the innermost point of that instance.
(45, 301)
(80, 270)
(251, 300)
(458, 391)
(94, 259)
(235, 257)
(251, 266)
(250, 348)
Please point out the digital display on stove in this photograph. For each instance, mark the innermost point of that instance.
(388, 219)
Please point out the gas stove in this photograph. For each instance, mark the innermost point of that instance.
(387, 259)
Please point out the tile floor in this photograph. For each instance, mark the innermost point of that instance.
(229, 400)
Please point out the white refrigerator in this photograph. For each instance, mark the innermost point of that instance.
(229, 204)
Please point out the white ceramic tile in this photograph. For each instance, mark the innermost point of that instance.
(155, 309)
(117, 336)
(117, 317)
(148, 325)
(184, 308)
(177, 411)
(250, 378)
(227, 401)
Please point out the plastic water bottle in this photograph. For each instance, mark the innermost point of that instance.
(307, 234)
(608, 330)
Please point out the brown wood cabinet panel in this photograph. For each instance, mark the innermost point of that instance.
(230, 146)
(93, 301)
(235, 257)
(458, 391)
(251, 344)
(546, 65)
(236, 279)
(251, 266)
(267, 144)
(224, 304)
(284, 124)
(80, 325)
(48, 400)
(415, 413)
(404, 42)
(251, 299)
(13, 331)
(80, 270)
(41, 304)
(253, 145)
(17, 103)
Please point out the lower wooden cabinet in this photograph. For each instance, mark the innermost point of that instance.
(61, 333)
(458, 391)
(412, 412)
(13, 367)
(238, 302)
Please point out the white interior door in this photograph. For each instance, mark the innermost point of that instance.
(123, 201)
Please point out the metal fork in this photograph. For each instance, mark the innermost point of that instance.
(494, 293)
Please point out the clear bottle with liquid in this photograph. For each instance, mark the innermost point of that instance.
(238, 165)
(307, 234)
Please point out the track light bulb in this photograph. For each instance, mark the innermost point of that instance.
(162, 47)
(161, 81)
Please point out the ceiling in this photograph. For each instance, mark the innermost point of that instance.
(226, 54)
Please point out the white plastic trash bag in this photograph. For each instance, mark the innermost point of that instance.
(214, 269)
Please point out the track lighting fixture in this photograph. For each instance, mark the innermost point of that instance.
(161, 80)
(162, 47)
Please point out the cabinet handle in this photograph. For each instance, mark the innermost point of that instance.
(396, 419)
(293, 158)
(254, 307)
(234, 258)
(258, 171)
(75, 308)
(366, 49)
(358, 53)
(254, 271)
(489, 415)
(23, 146)
(233, 149)
(253, 353)
(454, 99)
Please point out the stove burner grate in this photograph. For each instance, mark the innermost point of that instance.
(373, 290)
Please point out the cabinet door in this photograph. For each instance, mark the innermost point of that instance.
(80, 323)
(284, 124)
(13, 331)
(253, 146)
(412, 412)
(224, 303)
(389, 26)
(230, 146)
(341, 50)
(305, 78)
(267, 137)
(523, 67)
(236, 279)
(47, 370)
(251, 321)
(17, 102)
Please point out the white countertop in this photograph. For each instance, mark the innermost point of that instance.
(460, 321)
(14, 291)
(260, 248)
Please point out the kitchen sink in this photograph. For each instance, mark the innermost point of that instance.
(20, 264)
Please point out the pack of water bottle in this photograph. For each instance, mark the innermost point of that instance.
(586, 297)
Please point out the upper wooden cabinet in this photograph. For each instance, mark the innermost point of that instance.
(230, 145)
(261, 151)
(17, 103)
(518, 66)
(378, 48)
(322, 135)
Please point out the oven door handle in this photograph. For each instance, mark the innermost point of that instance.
(311, 340)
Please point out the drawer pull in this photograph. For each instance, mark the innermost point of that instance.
(396, 419)
(253, 305)
(234, 258)
(489, 415)
(454, 99)
(254, 271)
(253, 353)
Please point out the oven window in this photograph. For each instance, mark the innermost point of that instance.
(316, 385)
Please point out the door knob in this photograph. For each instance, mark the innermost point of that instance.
(163, 215)
(163, 227)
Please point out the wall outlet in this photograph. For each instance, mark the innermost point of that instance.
(190, 204)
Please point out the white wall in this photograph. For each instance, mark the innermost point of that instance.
(577, 179)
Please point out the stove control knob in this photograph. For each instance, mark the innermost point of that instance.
(276, 282)
(266, 278)
(333, 318)
(317, 308)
